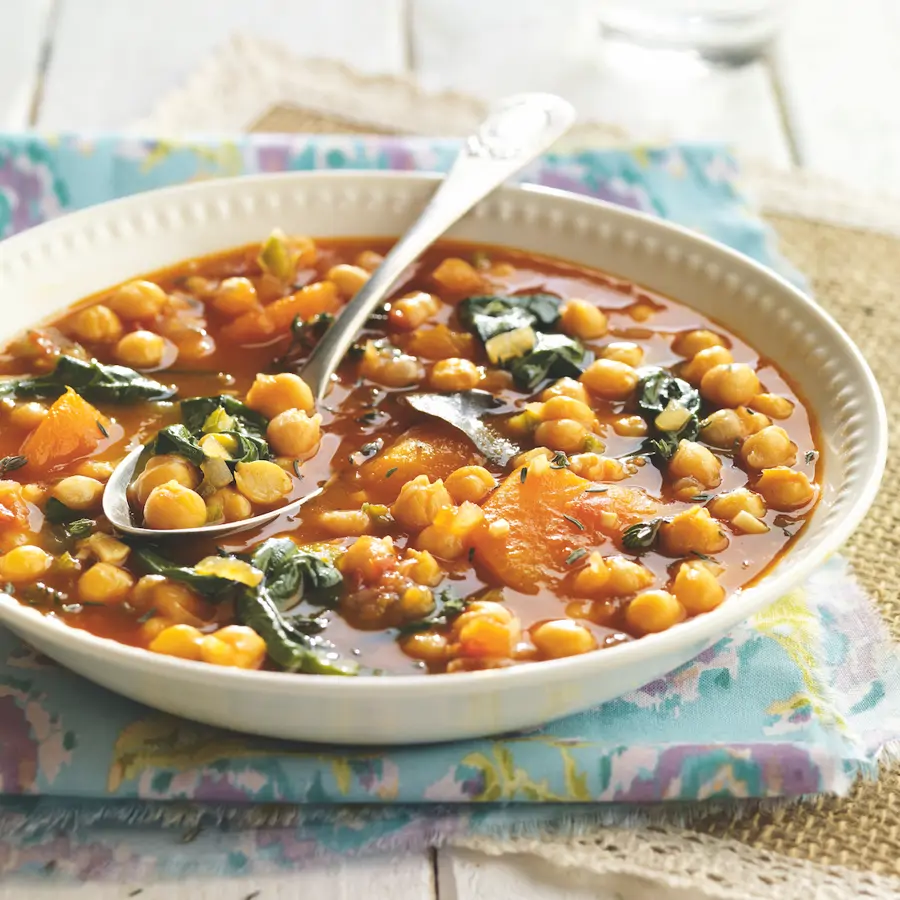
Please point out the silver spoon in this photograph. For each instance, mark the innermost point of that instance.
(513, 134)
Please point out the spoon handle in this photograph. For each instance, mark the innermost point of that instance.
(514, 133)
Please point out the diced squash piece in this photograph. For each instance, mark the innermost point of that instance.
(551, 518)
(434, 450)
(71, 430)
(276, 318)
(13, 509)
(439, 342)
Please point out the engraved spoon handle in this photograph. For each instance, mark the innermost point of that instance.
(514, 133)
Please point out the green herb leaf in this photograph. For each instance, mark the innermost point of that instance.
(80, 528)
(102, 429)
(448, 605)
(641, 536)
(390, 472)
(177, 439)
(293, 573)
(810, 456)
(196, 411)
(491, 314)
(553, 356)
(92, 380)
(523, 474)
(211, 587)
(11, 463)
(574, 521)
(575, 555)
(702, 556)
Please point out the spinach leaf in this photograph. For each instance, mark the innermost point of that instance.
(196, 411)
(293, 573)
(177, 439)
(57, 512)
(210, 587)
(289, 573)
(490, 314)
(553, 356)
(94, 381)
(656, 389)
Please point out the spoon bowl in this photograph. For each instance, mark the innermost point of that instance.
(117, 509)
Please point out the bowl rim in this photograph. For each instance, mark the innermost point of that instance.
(695, 632)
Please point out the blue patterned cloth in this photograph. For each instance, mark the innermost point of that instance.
(799, 700)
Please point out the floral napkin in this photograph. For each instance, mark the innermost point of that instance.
(801, 699)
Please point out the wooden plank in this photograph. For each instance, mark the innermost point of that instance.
(491, 49)
(837, 64)
(379, 878)
(112, 62)
(22, 40)
(466, 875)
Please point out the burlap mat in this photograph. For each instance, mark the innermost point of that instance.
(855, 275)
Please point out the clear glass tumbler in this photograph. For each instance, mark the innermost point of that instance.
(726, 31)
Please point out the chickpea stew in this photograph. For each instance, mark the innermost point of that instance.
(667, 464)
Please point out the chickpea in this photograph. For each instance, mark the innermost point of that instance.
(693, 460)
(770, 447)
(294, 433)
(262, 481)
(722, 428)
(181, 641)
(274, 394)
(152, 628)
(345, 522)
(454, 374)
(420, 501)
(141, 350)
(728, 505)
(95, 468)
(448, 535)
(369, 260)
(234, 645)
(457, 277)
(235, 296)
(28, 415)
(415, 602)
(97, 324)
(685, 489)
(138, 300)
(177, 602)
(78, 492)
(690, 343)
(630, 426)
(610, 379)
(567, 387)
(34, 493)
(172, 505)
(389, 367)
(785, 489)
(24, 563)
(751, 421)
(696, 587)
(368, 558)
(642, 312)
(105, 583)
(694, 370)
(595, 467)
(692, 531)
(624, 352)
(591, 579)
(772, 405)
(483, 609)
(164, 468)
(561, 434)
(730, 385)
(196, 344)
(581, 319)
(427, 646)
(472, 483)
(349, 279)
(411, 311)
(562, 637)
(625, 576)
(422, 567)
(568, 408)
(654, 611)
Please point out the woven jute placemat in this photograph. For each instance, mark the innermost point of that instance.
(826, 846)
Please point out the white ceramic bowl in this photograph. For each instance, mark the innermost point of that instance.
(43, 270)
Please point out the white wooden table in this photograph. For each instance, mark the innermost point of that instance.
(826, 100)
